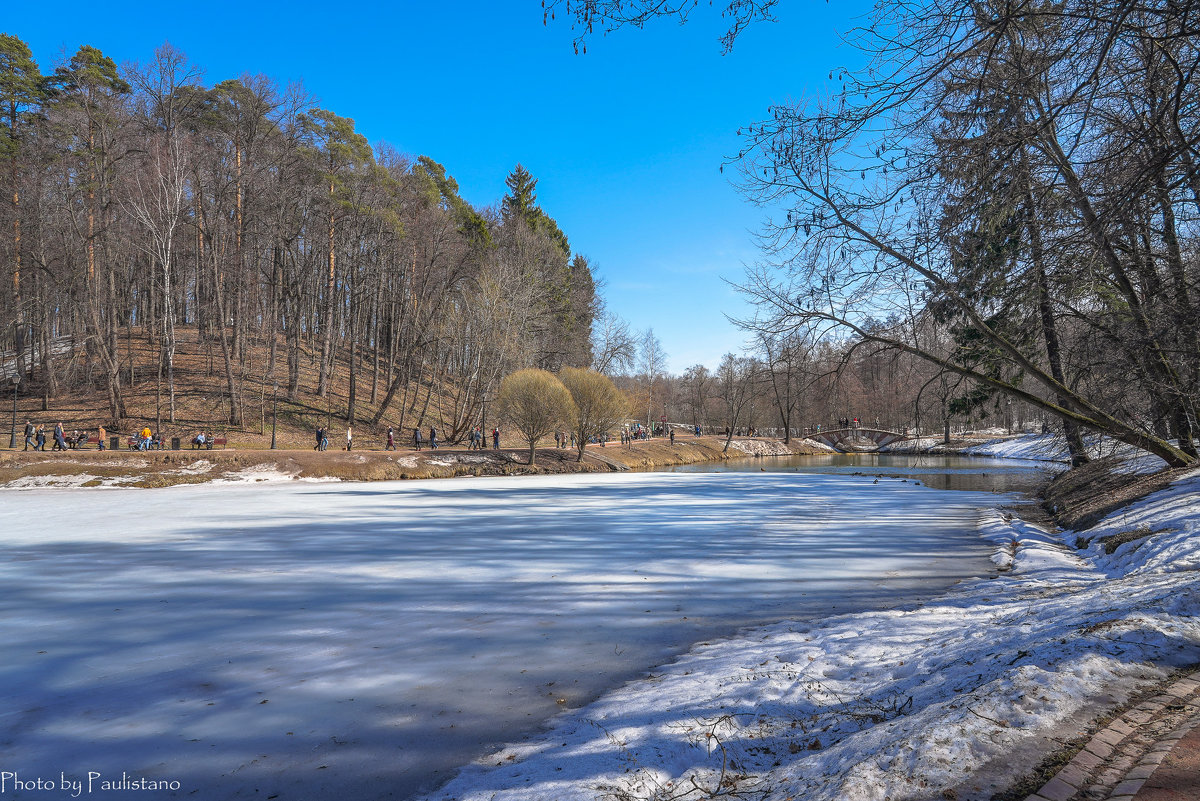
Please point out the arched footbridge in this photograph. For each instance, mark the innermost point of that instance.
(857, 439)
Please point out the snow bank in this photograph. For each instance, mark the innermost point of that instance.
(759, 447)
(964, 694)
(916, 445)
(1053, 448)
(1041, 447)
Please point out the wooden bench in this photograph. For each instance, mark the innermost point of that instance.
(209, 443)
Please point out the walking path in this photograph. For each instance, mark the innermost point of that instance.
(1149, 753)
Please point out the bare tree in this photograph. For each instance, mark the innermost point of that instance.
(614, 348)
(652, 363)
(735, 385)
(157, 203)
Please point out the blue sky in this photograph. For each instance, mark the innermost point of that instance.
(626, 141)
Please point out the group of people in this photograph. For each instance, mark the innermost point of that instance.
(148, 440)
(433, 438)
(143, 440)
(35, 438)
(475, 439)
(202, 440)
(637, 431)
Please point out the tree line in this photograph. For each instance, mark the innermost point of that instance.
(142, 203)
(1007, 192)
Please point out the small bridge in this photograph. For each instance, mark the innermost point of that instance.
(848, 439)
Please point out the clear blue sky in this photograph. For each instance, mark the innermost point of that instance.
(626, 141)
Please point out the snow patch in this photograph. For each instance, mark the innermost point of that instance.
(33, 482)
(195, 468)
(267, 471)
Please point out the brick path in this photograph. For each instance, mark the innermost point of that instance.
(1149, 753)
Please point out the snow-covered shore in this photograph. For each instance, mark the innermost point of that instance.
(966, 694)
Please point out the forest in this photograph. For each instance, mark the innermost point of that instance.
(144, 204)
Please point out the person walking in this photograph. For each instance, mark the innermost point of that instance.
(320, 436)
(40, 438)
(433, 438)
(101, 434)
(30, 433)
(391, 440)
(60, 444)
(349, 438)
(672, 437)
(496, 438)
(417, 438)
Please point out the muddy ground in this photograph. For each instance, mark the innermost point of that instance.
(92, 468)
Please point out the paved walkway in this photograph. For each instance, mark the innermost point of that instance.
(1149, 753)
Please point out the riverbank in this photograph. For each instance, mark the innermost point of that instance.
(90, 468)
(977, 696)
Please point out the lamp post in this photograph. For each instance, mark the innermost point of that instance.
(12, 435)
(274, 410)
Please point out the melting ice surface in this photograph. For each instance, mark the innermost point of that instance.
(364, 640)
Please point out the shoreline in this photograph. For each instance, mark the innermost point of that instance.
(149, 469)
(982, 693)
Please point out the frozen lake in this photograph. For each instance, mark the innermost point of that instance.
(303, 640)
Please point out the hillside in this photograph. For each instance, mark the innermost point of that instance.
(201, 396)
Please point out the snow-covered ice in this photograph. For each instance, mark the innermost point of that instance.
(364, 640)
(964, 693)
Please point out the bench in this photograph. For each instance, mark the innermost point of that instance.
(208, 443)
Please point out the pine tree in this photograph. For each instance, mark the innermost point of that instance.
(21, 88)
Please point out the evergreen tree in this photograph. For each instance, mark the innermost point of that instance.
(521, 200)
(337, 152)
(20, 91)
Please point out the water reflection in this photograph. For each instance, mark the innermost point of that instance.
(933, 470)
